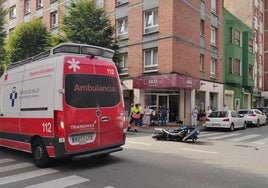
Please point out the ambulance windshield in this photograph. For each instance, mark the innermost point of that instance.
(90, 91)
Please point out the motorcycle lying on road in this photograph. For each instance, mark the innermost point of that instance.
(182, 133)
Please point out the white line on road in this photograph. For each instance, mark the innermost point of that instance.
(244, 138)
(202, 134)
(261, 141)
(61, 182)
(141, 143)
(223, 136)
(26, 175)
(15, 166)
(200, 151)
(6, 160)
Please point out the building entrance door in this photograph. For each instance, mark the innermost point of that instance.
(156, 100)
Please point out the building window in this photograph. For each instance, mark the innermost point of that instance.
(250, 72)
(202, 27)
(202, 62)
(213, 36)
(52, 1)
(237, 67)
(230, 34)
(39, 4)
(122, 26)
(151, 21)
(250, 46)
(213, 6)
(150, 60)
(213, 68)
(53, 19)
(123, 64)
(99, 3)
(230, 66)
(12, 13)
(26, 6)
(237, 37)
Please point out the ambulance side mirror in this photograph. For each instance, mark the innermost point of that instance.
(1, 114)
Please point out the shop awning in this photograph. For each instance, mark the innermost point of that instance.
(166, 81)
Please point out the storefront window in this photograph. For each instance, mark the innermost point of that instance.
(200, 100)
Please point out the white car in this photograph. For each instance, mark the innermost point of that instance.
(225, 119)
(253, 116)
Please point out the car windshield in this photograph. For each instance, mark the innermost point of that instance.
(245, 112)
(218, 114)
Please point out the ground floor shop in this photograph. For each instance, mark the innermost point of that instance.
(238, 97)
(179, 93)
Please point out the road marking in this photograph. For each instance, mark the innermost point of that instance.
(141, 143)
(15, 166)
(224, 136)
(261, 141)
(61, 182)
(209, 134)
(200, 151)
(244, 138)
(26, 175)
(6, 160)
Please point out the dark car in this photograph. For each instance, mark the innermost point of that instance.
(264, 110)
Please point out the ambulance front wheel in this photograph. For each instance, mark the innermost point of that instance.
(40, 155)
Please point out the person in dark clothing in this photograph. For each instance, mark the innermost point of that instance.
(164, 112)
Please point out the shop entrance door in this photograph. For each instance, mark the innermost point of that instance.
(163, 100)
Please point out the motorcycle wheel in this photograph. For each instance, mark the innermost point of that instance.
(158, 136)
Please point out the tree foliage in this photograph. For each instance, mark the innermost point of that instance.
(2, 38)
(87, 24)
(27, 40)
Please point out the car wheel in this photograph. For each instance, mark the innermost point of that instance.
(40, 155)
(245, 125)
(232, 127)
(258, 123)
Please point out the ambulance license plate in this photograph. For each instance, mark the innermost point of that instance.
(82, 139)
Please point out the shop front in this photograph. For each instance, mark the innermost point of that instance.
(175, 91)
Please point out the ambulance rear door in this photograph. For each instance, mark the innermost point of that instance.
(92, 104)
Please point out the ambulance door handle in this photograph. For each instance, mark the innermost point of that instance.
(1, 114)
(105, 118)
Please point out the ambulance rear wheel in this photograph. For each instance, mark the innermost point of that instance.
(40, 155)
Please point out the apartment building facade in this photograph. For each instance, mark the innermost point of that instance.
(171, 50)
(251, 12)
(238, 62)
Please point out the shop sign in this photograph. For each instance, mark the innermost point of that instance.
(166, 81)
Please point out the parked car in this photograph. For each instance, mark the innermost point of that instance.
(225, 119)
(264, 110)
(253, 116)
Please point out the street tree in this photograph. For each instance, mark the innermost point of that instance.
(2, 38)
(27, 40)
(87, 24)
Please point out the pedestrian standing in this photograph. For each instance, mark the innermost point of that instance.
(135, 117)
(208, 111)
(225, 107)
(146, 116)
(194, 115)
(164, 112)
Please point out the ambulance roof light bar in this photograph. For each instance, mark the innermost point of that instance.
(73, 48)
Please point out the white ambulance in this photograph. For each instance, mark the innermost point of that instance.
(66, 102)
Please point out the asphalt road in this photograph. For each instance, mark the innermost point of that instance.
(148, 163)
